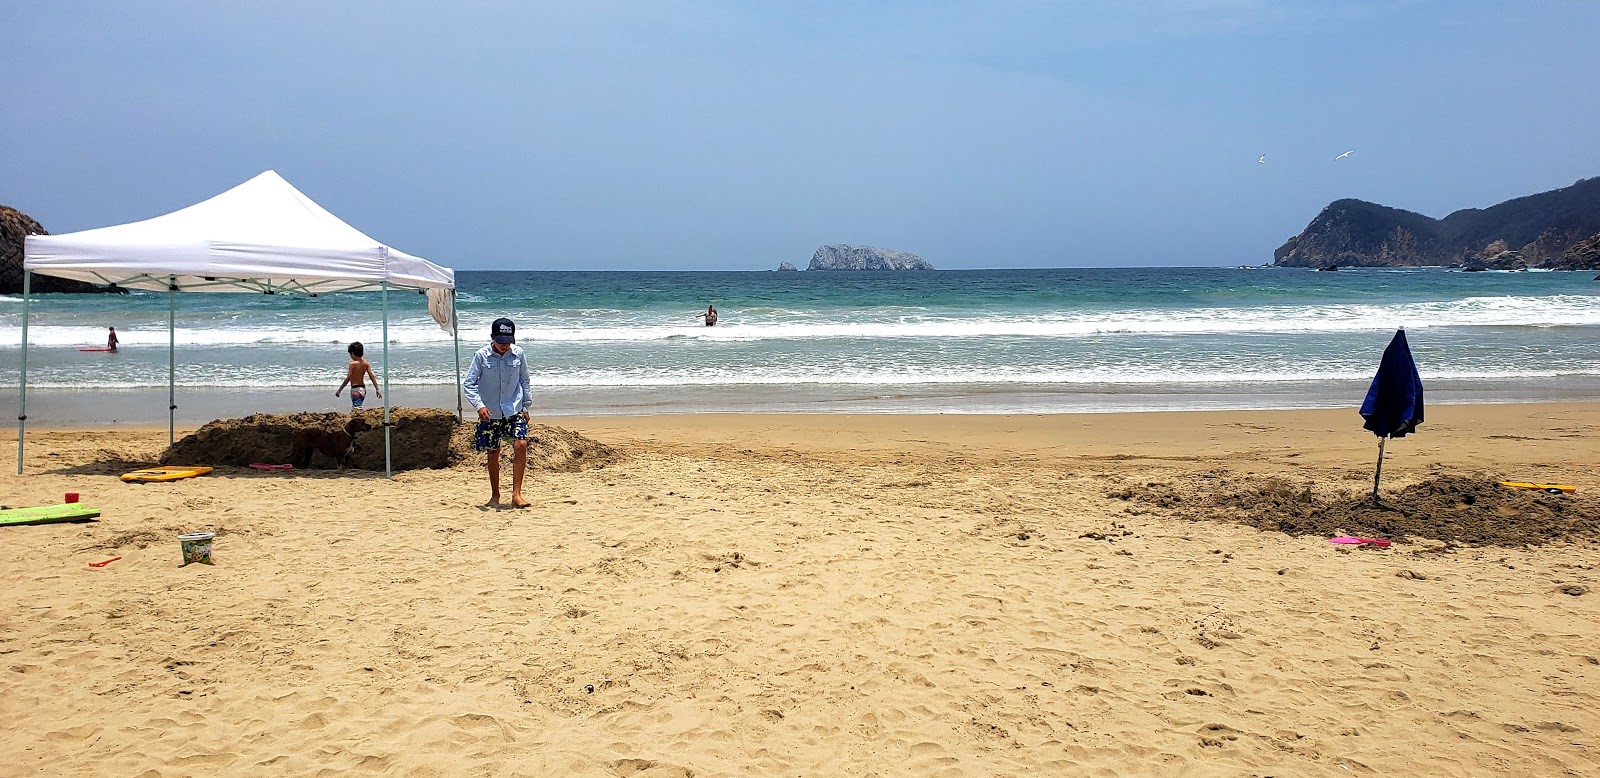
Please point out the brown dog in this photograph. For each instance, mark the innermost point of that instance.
(340, 446)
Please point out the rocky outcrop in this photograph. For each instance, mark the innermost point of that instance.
(787, 266)
(15, 227)
(1547, 249)
(1494, 249)
(1354, 233)
(1505, 260)
(1534, 231)
(846, 256)
(1496, 256)
(1583, 255)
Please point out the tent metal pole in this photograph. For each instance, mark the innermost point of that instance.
(1379, 474)
(172, 359)
(22, 391)
(388, 451)
(455, 337)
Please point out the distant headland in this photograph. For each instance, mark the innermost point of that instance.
(15, 227)
(848, 256)
(1556, 230)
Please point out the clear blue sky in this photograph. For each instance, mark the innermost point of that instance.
(734, 135)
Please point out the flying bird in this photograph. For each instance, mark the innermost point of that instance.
(1342, 156)
(1262, 160)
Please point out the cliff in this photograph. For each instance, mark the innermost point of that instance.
(15, 226)
(1584, 255)
(1535, 231)
(847, 256)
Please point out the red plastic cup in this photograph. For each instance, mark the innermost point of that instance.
(72, 496)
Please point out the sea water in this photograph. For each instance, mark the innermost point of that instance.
(981, 341)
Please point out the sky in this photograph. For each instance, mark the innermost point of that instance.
(706, 135)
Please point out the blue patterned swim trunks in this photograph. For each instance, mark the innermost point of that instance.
(358, 394)
(491, 432)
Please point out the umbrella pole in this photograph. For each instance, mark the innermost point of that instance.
(1379, 474)
(455, 339)
(22, 391)
(388, 452)
(172, 359)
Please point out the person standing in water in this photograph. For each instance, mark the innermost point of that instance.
(111, 339)
(711, 315)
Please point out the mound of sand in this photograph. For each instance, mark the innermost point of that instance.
(549, 448)
(423, 438)
(1471, 510)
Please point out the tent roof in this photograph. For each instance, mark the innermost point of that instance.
(260, 236)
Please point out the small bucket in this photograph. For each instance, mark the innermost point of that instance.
(196, 547)
(71, 497)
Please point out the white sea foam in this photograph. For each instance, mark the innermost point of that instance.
(543, 327)
(1554, 311)
(1089, 377)
(250, 335)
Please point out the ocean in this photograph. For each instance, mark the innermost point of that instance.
(979, 341)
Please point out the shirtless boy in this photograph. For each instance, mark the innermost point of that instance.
(355, 376)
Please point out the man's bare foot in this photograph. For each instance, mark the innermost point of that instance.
(517, 501)
(494, 501)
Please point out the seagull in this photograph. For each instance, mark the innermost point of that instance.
(1342, 156)
(1262, 160)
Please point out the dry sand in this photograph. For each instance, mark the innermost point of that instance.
(816, 595)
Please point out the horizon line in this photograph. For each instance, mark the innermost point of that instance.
(843, 272)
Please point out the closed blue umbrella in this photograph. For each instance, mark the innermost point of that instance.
(1393, 406)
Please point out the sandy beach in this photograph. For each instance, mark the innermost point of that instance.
(930, 595)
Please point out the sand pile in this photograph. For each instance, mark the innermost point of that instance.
(549, 448)
(1471, 510)
(423, 438)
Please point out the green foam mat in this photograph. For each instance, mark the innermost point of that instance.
(48, 514)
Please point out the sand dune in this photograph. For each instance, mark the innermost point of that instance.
(829, 595)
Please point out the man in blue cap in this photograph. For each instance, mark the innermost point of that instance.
(497, 385)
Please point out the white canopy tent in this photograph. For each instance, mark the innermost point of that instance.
(262, 236)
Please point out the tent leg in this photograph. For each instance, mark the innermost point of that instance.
(22, 391)
(1379, 474)
(172, 359)
(455, 338)
(388, 451)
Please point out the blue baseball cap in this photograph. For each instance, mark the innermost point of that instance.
(503, 331)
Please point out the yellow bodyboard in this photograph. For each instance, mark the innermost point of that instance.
(1563, 488)
(163, 474)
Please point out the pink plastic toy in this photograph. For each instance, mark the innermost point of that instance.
(1347, 540)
